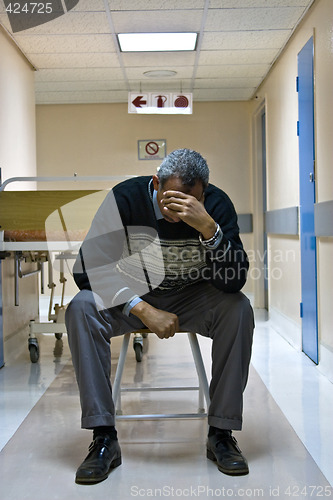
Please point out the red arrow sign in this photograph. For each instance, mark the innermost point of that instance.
(138, 101)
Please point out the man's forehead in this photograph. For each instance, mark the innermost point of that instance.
(176, 184)
(180, 186)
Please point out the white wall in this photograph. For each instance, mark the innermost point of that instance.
(17, 158)
(102, 140)
(17, 117)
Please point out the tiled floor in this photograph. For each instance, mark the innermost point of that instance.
(287, 435)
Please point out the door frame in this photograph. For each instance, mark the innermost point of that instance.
(258, 204)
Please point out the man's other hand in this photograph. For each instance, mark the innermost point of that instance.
(163, 323)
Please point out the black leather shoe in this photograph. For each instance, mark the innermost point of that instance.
(222, 448)
(104, 455)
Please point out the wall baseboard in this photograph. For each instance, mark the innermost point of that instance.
(292, 333)
(286, 327)
(326, 361)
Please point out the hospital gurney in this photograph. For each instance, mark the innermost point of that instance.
(48, 227)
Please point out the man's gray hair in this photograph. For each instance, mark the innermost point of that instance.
(186, 164)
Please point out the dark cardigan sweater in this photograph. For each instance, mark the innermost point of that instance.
(129, 252)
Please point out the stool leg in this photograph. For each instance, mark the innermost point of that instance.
(201, 399)
(200, 367)
(119, 372)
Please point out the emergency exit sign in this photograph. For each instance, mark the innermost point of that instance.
(160, 103)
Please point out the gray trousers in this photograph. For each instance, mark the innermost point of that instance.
(226, 318)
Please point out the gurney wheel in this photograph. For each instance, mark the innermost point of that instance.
(34, 353)
(138, 351)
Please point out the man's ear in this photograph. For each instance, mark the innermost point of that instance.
(156, 182)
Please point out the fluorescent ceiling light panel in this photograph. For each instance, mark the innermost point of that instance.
(156, 42)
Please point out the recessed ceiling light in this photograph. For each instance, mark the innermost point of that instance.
(160, 73)
(156, 42)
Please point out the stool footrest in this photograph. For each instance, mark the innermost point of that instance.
(157, 416)
(159, 389)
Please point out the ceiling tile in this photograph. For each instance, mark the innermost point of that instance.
(235, 4)
(174, 85)
(246, 40)
(152, 21)
(76, 60)
(136, 73)
(136, 5)
(70, 75)
(252, 19)
(62, 44)
(241, 56)
(233, 70)
(90, 5)
(157, 60)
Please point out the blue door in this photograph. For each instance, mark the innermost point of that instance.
(307, 200)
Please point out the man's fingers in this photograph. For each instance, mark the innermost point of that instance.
(177, 205)
(174, 327)
(175, 194)
(174, 207)
(174, 202)
(166, 325)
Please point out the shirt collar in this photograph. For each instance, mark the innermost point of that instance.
(158, 213)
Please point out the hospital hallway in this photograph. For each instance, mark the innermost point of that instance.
(287, 434)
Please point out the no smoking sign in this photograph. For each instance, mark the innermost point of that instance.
(153, 149)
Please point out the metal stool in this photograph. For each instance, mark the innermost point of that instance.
(202, 388)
